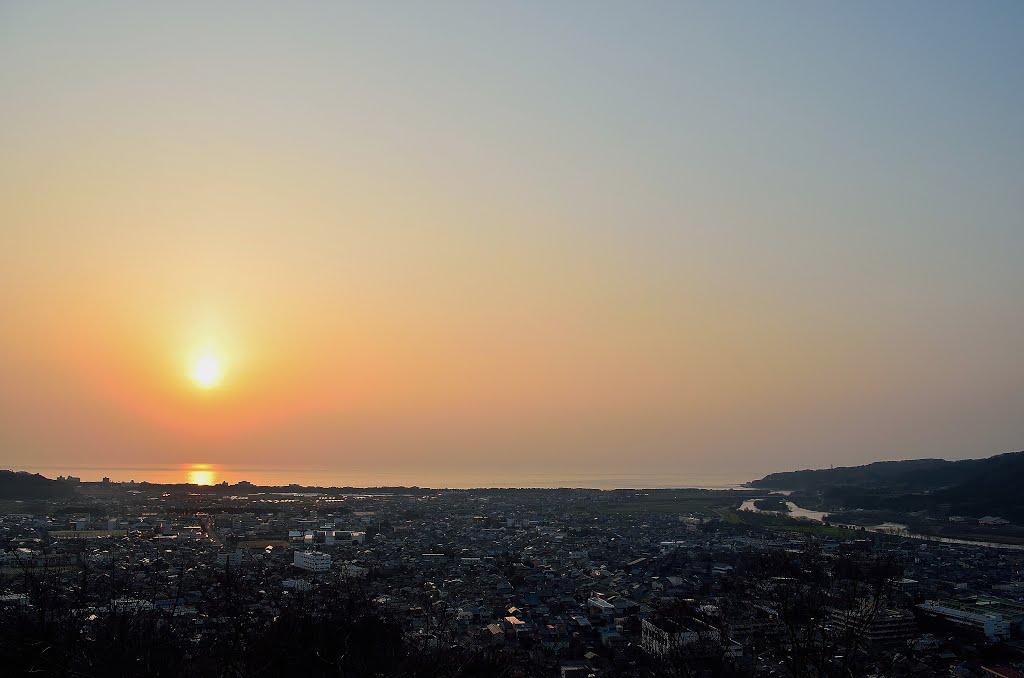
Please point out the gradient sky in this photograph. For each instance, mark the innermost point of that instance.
(722, 237)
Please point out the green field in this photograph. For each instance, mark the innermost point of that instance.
(665, 502)
(712, 504)
(261, 544)
(821, 530)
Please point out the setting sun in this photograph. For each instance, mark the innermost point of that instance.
(200, 474)
(207, 371)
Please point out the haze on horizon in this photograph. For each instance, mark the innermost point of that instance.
(728, 237)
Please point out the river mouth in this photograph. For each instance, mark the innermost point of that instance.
(897, 529)
(794, 510)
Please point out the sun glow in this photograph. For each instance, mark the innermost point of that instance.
(201, 474)
(207, 371)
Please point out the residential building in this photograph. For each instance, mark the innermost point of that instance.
(312, 561)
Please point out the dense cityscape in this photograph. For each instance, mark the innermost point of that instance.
(142, 579)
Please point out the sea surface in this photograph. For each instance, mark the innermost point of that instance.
(211, 474)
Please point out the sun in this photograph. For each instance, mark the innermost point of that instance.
(200, 474)
(207, 371)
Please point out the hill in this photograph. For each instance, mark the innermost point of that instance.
(912, 474)
(972, 487)
(24, 485)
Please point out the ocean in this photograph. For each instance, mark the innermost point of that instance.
(210, 474)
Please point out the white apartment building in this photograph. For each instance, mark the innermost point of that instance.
(312, 561)
(993, 625)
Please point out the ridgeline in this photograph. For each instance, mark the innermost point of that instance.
(969, 487)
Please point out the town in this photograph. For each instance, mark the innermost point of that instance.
(143, 579)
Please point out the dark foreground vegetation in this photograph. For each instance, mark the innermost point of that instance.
(245, 627)
(332, 631)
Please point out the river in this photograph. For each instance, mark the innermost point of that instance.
(897, 529)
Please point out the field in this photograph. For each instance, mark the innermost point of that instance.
(821, 530)
(261, 544)
(723, 504)
(86, 534)
(710, 503)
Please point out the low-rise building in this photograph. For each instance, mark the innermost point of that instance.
(881, 627)
(229, 559)
(662, 637)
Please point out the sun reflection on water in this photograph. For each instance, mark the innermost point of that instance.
(201, 474)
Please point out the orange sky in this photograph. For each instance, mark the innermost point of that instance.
(432, 248)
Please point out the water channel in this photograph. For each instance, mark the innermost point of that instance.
(897, 529)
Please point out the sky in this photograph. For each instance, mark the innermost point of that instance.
(726, 238)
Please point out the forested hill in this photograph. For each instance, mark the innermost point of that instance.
(22, 485)
(1004, 471)
(971, 487)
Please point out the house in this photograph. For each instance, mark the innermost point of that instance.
(600, 606)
